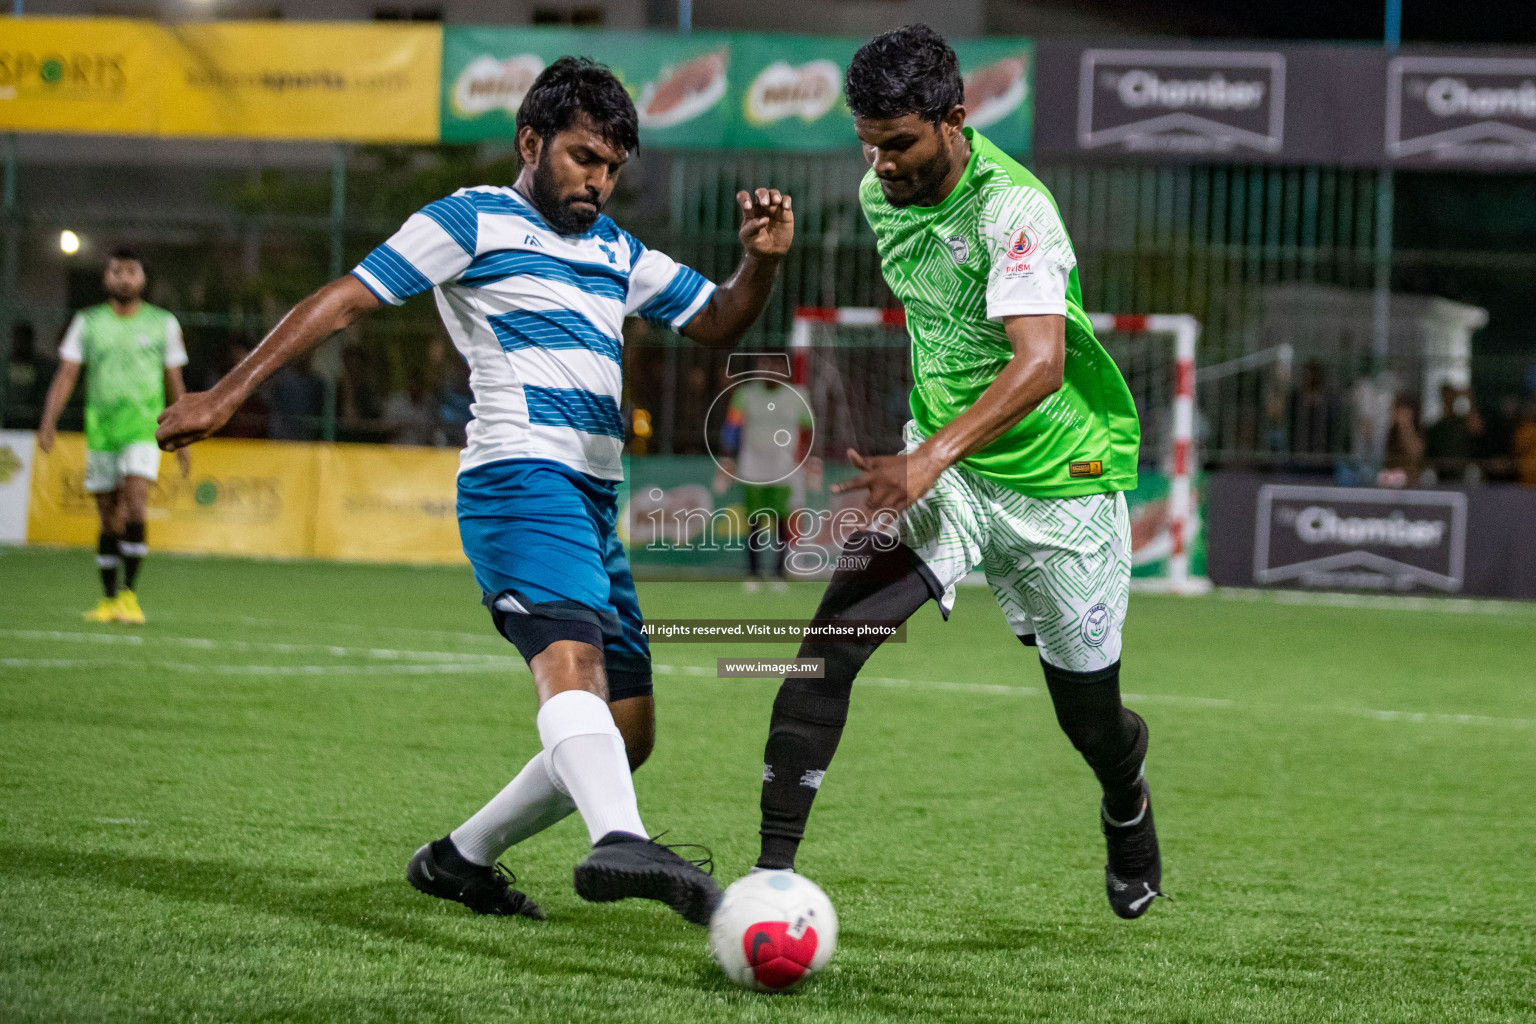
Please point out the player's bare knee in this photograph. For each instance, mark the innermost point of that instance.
(569, 665)
(636, 719)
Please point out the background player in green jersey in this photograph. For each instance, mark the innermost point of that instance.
(1023, 436)
(135, 354)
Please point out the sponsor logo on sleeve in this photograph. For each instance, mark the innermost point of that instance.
(1019, 252)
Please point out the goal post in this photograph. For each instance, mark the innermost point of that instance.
(843, 355)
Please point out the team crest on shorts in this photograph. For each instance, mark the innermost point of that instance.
(1096, 625)
(959, 248)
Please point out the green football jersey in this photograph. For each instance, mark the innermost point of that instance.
(996, 247)
(125, 359)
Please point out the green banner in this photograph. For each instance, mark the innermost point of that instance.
(716, 90)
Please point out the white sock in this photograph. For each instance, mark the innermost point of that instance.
(586, 752)
(530, 804)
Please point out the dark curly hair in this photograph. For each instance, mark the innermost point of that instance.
(909, 70)
(573, 86)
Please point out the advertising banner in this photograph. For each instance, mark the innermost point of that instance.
(679, 83)
(242, 498)
(716, 90)
(1462, 110)
(315, 80)
(1357, 537)
(1130, 100)
(15, 484)
(1309, 535)
(80, 75)
(387, 503)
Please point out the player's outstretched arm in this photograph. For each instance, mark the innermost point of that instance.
(767, 228)
(198, 414)
(1034, 373)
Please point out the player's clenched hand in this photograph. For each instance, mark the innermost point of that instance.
(767, 222)
(193, 417)
(894, 482)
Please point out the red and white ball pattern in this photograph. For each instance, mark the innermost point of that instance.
(772, 930)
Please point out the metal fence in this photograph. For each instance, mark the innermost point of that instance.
(1214, 241)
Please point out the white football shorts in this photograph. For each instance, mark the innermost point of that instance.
(104, 471)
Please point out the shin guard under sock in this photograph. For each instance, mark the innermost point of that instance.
(889, 584)
(1111, 737)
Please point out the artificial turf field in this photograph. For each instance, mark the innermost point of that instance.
(208, 818)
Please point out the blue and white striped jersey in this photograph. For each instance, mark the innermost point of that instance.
(538, 316)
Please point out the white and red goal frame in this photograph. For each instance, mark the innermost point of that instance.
(1184, 330)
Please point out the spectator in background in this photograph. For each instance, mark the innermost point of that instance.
(295, 397)
(448, 378)
(251, 419)
(1452, 442)
(1523, 444)
(356, 397)
(410, 416)
(1314, 413)
(1403, 463)
(27, 381)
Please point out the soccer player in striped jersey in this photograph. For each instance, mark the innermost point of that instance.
(1022, 439)
(533, 283)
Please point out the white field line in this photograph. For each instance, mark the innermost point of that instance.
(438, 668)
(1381, 602)
(417, 663)
(206, 644)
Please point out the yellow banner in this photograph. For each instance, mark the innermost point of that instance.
(381, 503)
(309, 80)
(81, 75)
(242, 498)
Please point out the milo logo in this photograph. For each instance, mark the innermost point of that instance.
(488, 84)
(782, 90)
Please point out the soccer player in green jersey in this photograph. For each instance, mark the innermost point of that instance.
(135, 354)
(1022, 439)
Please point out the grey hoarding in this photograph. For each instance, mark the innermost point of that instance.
(1360, 538)
(1320, 104)
(1308, 535)
(1461, 110)
(1128, 100)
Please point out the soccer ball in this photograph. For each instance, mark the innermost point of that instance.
(772, 930)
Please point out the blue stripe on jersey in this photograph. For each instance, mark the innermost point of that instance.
(457, 216)
(574, 408)
(589, 277)
(551, 329)
(673, 300)
(501, 202)
(396, 273)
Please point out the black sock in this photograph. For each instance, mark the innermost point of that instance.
(107, 560)
(1111, 737)
(809, 714)
(133, 550)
